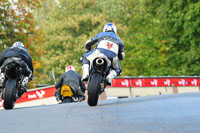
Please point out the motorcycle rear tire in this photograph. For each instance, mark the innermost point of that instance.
(67, 100)
(94, 89)
(9, 97)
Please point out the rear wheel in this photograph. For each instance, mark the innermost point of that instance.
(67, 100)
(9, 96)
(94, 88)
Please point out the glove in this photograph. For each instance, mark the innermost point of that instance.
(87, 50)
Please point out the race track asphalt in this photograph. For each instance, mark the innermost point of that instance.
(176, 113)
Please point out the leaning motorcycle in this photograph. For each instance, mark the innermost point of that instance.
(11, 90)
(96, 84)
(68, 94)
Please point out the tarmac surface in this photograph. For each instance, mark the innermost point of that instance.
(176, 113)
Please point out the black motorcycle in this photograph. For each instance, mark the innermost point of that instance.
(11, 90)
(96, 84)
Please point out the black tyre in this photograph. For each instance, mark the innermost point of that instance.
(94, 88)
(67, 100)
(9, 97)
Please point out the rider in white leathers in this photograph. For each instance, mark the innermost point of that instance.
(108, 43)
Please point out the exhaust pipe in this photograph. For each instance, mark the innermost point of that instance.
(99, 61)
(18, 69)
(8, 67)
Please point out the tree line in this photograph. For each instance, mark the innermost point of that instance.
(161, 37)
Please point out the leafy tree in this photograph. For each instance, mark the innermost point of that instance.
(162, 38)
(17, 24)
(182, 19)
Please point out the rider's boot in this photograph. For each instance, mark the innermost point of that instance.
(81, 98)
(111, 76)
(58, 96)
(58, 99)
(85, 69)
(25, 83)
(2, 78)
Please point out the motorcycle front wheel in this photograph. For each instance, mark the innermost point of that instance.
(94, 86)
(9, 96)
